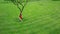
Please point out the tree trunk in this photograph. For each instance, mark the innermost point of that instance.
(20, 16)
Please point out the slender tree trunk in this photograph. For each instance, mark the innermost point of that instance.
(20, 16)
(21, 9)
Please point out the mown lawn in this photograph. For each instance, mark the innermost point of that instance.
(39, 17)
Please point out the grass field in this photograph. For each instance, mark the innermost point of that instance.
(39, 17)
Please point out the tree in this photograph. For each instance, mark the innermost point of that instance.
(20, 5)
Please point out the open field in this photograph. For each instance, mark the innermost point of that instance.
(39, 17)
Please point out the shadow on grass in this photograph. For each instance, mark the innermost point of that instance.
(55, 31)
(28, 0)
(9, 1)
(18, 20)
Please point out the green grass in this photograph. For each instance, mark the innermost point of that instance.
(39, 17)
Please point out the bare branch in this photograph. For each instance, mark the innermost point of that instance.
(19, 7)
(24, 5)
(20, 3)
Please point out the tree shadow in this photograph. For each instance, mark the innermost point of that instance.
(55, 31)
(18, 20)
(28, 0)
(9, 1)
